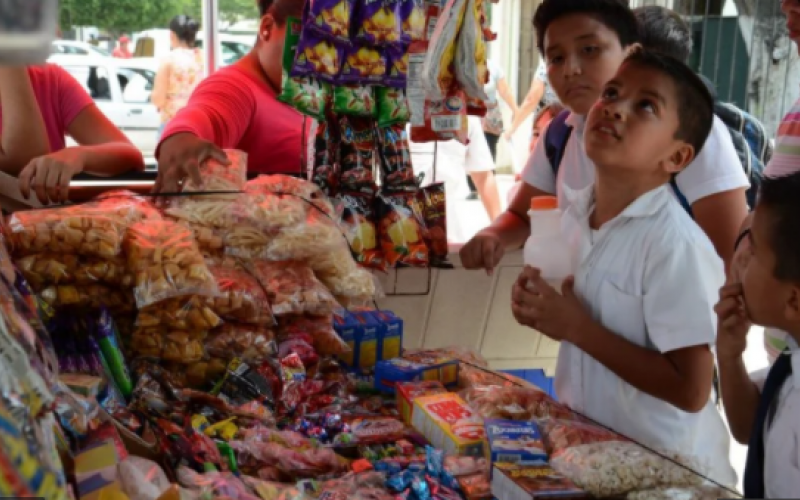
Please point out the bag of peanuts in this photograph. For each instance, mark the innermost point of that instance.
(166, 263)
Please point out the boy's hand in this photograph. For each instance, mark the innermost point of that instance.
(484, 251)
(732, 323)
(538, 305)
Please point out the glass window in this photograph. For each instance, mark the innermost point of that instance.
(94, 79)
(136, 84)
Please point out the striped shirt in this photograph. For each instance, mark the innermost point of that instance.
(786, 158)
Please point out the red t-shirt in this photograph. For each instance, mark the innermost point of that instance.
(234, 110)
(121, 53)
(60, 97)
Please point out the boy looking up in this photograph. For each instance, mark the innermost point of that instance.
(637, 327)
(584, 42)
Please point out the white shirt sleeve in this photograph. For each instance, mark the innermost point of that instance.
(681, 287)
(716, 169)
(479, 156)
(538, 172)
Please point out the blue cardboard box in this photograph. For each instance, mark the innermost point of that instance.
(367, 341)
(349, 329)
(518, 442)
(390, 338)
(413, 367)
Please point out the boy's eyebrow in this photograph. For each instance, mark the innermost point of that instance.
(587, 36)
(655, 95)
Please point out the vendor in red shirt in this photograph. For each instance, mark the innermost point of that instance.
(124, 49)
(237, 108)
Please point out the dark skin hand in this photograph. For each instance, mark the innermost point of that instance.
(180, 158)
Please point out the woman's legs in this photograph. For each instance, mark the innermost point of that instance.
(492, 139)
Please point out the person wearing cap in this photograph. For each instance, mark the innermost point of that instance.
(123, 51)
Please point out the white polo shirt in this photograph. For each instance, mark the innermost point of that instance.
(782, 437)
(651, 276)
(716, 169)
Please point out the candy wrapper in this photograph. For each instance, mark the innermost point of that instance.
(307, 95)
(380, 23)
(397, 66)
(317, 57)
(358, 222)
(471, 70)
(330, 18)
(241, 297)
(392, 107)
(401, 229)
(439, 66)
(89, 297)
(396, 168)
(253, 344)
(65, 269)
(166, 263)
(363, 65)
(173, 346)
(319, 328)
(180, 313)
(435, 215)
(414, 19)
(357, 154)
(296, 459)
(324, 172)
(612, 468)
(355, 100)
(292, 288)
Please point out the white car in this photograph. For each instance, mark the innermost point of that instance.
(155, 43)
(71, 47)
(121, 89)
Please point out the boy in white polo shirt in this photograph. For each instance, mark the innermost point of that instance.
(637, 327)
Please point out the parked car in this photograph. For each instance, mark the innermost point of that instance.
(155, 43)
(72, 47)
(121, 88)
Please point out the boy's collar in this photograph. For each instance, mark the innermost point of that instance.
(646, 205)
(576, 121)
(794, 352)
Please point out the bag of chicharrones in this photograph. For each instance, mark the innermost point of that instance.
(93, 296)
(190, 312)
(613, 468)
(314, 238)
(351, 284)
(174, 346)
(166, 263)
(219, 180)
(292, 288)
(44, 269)
(241, 297)
(288, 185)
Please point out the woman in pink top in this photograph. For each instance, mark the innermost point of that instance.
(237, 108)
(39, 106)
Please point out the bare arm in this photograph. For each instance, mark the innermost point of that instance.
(513, 226)
(161, 86)
(505, 93)
(682, 378)
(720, 216)
(529, 105)
(103, 147)
(739, 398)
(24, 134)
(486, 185)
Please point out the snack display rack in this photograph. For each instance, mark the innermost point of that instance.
(224, 342)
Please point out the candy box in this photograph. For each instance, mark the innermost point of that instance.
(531, 482)
(416, 366)
(349, 329)
(96, 472)
(407, 392)
(390, 334)
(449, 424)
(367, 342)
(512, 441)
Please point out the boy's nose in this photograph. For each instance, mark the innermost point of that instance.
(611, 111)
(573, 66)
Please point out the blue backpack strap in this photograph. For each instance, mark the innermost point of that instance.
(555, 140)
(681, 198)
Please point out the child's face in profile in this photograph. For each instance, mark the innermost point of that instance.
(769, 302)
(633, 124)
(582, 54)
(538, 128)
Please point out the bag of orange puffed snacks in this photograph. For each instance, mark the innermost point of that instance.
(402, 229)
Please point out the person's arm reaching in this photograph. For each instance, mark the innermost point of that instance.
(161, 86)
(504, 91)
(216, 117)
(24, 135)
(528, 106)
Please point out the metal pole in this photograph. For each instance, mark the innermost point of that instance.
(211, 34)
(703, 37)
(718, 50)
(736, 35)
(771, 46)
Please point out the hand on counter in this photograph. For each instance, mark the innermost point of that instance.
(180, 158)
(484, 251)
(560, 316)
(49, 176)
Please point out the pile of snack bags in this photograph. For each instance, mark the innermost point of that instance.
(362, 71)
(220, 344)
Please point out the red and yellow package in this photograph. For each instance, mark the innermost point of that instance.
(435, 213)
(402, 230)
(470, 63)
(357, 154)
(358, 221)
(439, 69)
(397, 172)
(444, 120)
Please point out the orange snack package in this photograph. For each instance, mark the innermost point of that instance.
(402, 229)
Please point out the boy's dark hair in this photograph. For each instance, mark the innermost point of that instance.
(664, 30)
(614, 14)
(782, 196)
(280, 9)
(695, 104)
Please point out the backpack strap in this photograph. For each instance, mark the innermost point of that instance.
(555, 140)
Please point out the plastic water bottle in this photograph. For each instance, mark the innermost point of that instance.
(546, 248)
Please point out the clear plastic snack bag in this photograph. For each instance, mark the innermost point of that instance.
(241, 297)
(174, 346)
(180, 313)
(166, 263)
(88, 296)
(251, 343)
(292, 288)
(45, 269)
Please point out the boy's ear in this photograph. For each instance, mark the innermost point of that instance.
(793, 305)
(679, 159)
(633, 48)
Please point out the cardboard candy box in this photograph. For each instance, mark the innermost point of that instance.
(449, 424)
(407, 392)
